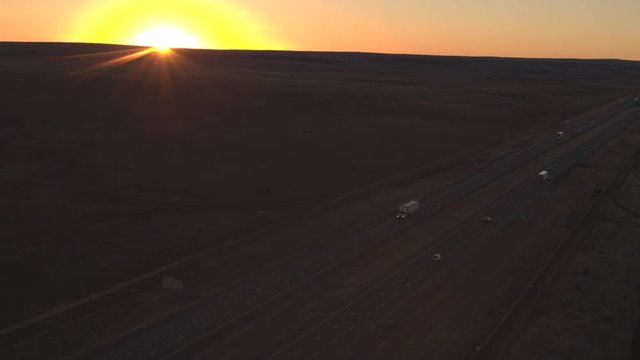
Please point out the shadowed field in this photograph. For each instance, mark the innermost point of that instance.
(110, 169)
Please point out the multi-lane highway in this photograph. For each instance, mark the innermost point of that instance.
(341, 334)
(175, 335)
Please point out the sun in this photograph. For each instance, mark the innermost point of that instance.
(203, 24)
(207, 24)
(163, 38)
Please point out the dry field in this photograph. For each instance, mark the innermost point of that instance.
(109, 172)
(586, 306)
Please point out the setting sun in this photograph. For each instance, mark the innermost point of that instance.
(164, 38)
(164, 24)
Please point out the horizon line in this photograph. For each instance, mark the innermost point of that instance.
(327, 51)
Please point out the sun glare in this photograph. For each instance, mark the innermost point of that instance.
(165, 24)
(163, 39)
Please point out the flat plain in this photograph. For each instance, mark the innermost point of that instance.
(112, 168)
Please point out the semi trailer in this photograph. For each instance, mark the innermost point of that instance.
(407, 209)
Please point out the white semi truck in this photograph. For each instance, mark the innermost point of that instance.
(408, 209)
(543, 175)
(560, 135)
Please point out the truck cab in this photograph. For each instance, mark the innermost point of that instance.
(407, 209)
(543, 175)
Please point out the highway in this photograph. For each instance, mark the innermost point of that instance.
(340, 335)
(174, 336)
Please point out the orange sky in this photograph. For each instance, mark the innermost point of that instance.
(527, 28)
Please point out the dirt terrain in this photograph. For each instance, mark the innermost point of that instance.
(113, 169)
(586, 306)
(450, 318)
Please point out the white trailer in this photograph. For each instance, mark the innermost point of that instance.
(408, 209)
(543, 175)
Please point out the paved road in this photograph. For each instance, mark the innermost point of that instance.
(342, 334)
(174, 336)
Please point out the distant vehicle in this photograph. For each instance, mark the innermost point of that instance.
(636, 101)
(487, 220)
(408, 209)
(580, 130)
(543, 175)
(560, 135)
(436, 257)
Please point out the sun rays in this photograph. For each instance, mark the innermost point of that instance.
(165, 24)
(164, 38)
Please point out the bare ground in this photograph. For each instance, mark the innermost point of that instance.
(587, 307)
(449, 319)
(118, 170)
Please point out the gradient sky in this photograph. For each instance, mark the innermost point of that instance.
(522, 28)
